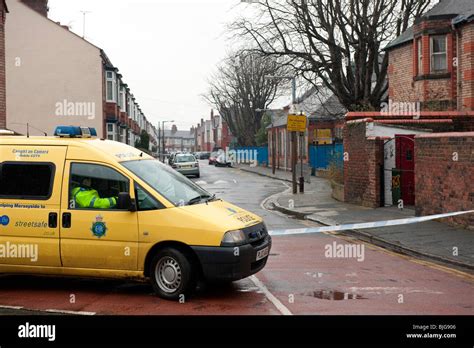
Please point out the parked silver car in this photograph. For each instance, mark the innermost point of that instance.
(186, 164)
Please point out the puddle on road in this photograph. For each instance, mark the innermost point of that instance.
(333, 295)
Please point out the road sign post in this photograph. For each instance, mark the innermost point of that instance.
(296, 124)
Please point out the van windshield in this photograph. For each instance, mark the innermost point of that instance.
(173, 186)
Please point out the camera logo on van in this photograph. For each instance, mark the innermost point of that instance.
(4, 220)
(99, 228)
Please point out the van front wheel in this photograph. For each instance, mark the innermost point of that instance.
(172, 275)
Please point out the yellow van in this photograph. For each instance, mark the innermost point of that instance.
(76, 205)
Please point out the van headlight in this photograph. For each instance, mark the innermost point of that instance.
(233, 238)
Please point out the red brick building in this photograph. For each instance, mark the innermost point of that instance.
(431, 70)
(212, 134)
(3, 102)
(433, 61)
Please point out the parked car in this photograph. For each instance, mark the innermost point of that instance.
(204, 155)
(222, 160)
(186, 164)
(213, 157)
(172, 158)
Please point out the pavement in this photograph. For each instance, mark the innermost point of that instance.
(431, 240)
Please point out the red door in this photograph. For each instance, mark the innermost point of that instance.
(405, 161)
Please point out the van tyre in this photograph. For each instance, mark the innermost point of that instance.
(172, 274)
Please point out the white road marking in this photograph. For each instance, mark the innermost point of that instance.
(235, 181)
(276, 302)
(69, 312)
(393, 290)
(219, 182)
(11, 307)
(201, 182)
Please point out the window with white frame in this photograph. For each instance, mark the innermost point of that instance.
(111, 84)
(123, 135)
(419, 45)
(122, 99)
(111, 131)
(128, 106)
(439, 53)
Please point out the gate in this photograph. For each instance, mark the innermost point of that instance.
(405, 162)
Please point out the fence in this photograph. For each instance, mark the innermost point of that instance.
(321, 156)
(248, 154)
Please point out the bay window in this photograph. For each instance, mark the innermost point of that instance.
(111, 86)
(420, 56)
(439, 54)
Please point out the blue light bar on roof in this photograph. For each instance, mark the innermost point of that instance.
(75, 132)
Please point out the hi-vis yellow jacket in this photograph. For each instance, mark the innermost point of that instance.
(89, 198)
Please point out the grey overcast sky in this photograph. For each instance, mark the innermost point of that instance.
(165, 49)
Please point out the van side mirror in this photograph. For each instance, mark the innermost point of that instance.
(125, 202)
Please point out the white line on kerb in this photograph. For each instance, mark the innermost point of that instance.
(276, 302)
(69, 312)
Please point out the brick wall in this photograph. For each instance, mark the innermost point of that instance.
(362, 170)
(467, 66)
(400, 75)
(443, 184)
(3, 101)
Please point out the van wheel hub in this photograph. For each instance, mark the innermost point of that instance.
(168, 274)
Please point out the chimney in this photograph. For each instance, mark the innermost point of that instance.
(174, 129)
(40, 6)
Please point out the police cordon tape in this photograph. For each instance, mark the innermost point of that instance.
(366, 225)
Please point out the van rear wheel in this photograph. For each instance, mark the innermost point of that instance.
(172, 274)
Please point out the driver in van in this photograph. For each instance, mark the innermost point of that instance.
(85, 196)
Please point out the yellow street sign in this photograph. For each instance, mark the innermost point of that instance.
(296, 123)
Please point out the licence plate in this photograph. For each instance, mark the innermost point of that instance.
(262, 253)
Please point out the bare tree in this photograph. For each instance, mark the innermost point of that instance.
(338, 43)
(240, 87)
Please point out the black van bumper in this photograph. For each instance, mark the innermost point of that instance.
(232, 263)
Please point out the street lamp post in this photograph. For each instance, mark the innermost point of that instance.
(294, 147)
(163, 139)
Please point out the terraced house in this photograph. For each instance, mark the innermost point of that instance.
(55, 77)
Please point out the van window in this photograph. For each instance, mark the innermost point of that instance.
(26, 180)
(145, 201)
(167, 182)
(95, 186)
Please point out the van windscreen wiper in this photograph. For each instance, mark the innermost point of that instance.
(198, 199)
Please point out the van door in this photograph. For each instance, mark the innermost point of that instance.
(30, 193)
(94, 233)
